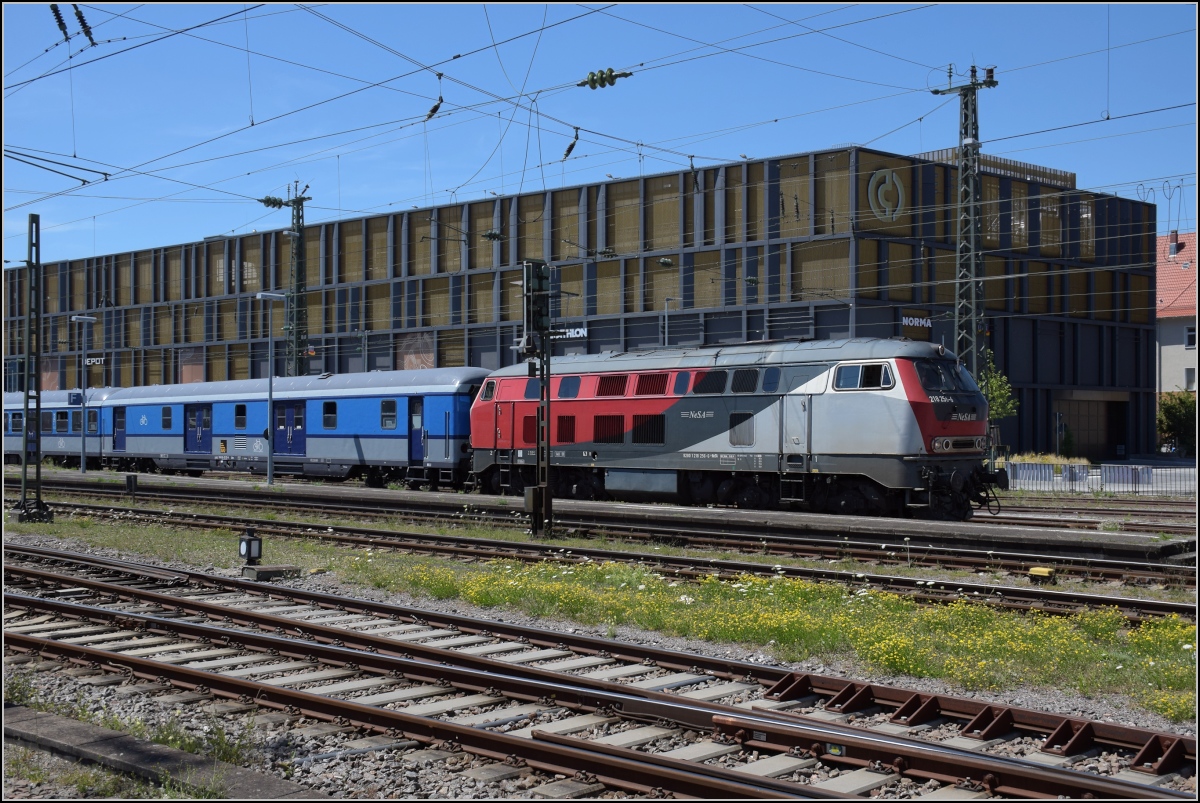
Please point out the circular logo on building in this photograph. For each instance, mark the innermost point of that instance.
(885, 191)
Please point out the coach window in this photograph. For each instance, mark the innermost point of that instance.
(681, 382)
(47, 422)
(489, 390)
(166, 418)
(745, 380)
(387, 414)
(93, 424)
(60, 421)
(18, 422)
(239, 416)
(568, 388)
(741, 429)
(533, 389)
(709, 383)
(329, 415)
(76, 420)
(7, 421)
(770, 380)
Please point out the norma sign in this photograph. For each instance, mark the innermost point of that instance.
(915, 324)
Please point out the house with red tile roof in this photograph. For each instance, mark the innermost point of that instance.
(1176, 312)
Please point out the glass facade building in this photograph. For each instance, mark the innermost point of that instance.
(846, 242)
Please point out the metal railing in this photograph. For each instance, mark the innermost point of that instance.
(1120, 479)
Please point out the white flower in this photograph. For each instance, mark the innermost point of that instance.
(1119, 666)
(1187, 646)
(642, 587)
(686, 600)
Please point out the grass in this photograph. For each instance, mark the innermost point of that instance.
(969, 645)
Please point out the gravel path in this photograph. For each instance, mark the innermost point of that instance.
(391, 774)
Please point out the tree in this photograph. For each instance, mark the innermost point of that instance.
(1177, 419)
(996, 390)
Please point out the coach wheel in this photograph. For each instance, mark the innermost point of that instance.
(374, 478)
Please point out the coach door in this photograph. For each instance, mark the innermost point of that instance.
(118, 429)
(289, 428)
(418, 438)
(197, 435)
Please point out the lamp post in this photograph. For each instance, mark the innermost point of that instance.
(270, 432)
(667, 320)
(81, 320)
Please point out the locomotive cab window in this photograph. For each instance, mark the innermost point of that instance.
(239, 416)
(489, 390)
(166, 418)
(533, 389)
(863, 377)
(568, 387)
(681, 382)
(329, 415)
(387, 414)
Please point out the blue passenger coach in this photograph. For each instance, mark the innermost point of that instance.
(409, 426)
(60, 426)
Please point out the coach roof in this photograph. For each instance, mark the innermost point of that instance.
(783, 352)
(426, 380)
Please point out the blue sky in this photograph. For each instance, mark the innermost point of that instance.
(338, 95)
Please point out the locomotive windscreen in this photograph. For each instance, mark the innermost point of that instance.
(943, 376)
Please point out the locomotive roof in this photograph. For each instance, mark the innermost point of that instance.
(783, 352)
(426, 380)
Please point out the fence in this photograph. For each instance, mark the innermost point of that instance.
(1124, 480)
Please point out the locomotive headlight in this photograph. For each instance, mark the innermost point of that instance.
(980, 443)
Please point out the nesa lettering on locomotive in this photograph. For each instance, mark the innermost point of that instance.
(863, 426)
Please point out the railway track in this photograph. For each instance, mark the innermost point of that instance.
(756, 531)
(606, 715)
(925, 591)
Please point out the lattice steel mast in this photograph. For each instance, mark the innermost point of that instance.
(969, 257)
(295, 327)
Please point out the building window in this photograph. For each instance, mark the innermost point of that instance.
(329, 415)
(1189, 378)
(1189, 339)
(239, 416)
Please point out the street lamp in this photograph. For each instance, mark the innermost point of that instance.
(270, 431)
(667, 319)
(81, 320)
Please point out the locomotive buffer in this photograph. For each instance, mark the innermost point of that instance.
(535, 348)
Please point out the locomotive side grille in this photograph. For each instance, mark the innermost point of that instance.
(239, 442)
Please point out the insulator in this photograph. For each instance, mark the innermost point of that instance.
(62, 26)
(435, 108)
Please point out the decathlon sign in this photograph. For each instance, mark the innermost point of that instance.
(885, 191)
(579, 333)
